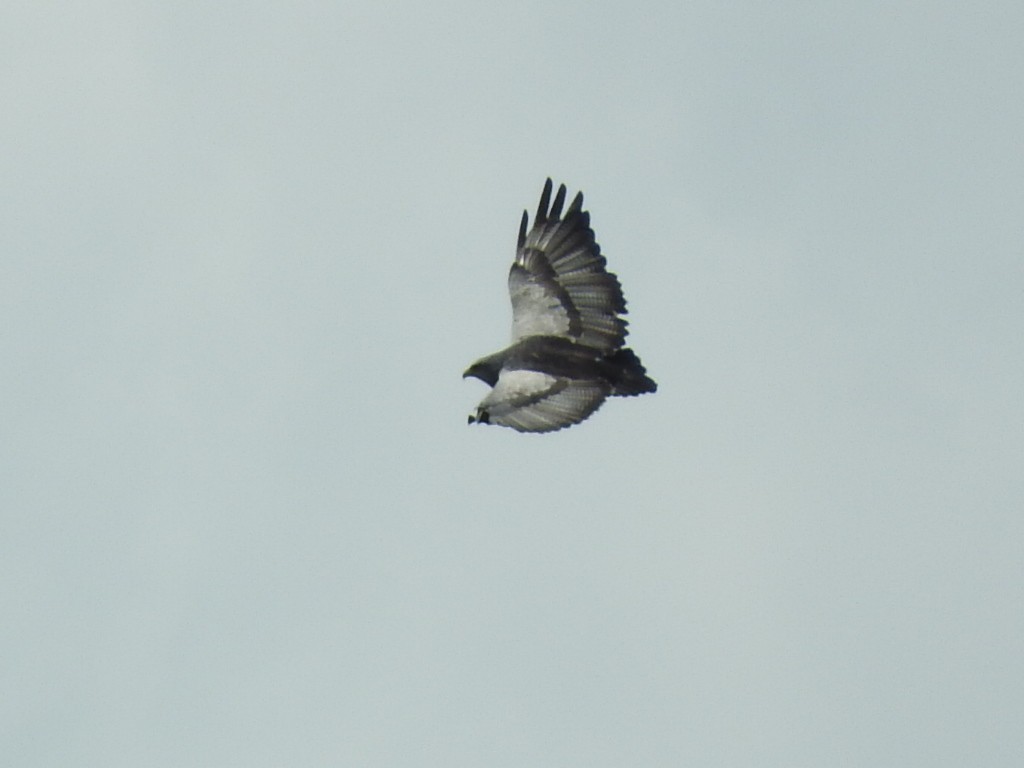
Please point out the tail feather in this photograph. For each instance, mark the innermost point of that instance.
(629, 377)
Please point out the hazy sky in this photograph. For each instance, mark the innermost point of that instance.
(246, 253)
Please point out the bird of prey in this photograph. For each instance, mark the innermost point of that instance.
(567, 354)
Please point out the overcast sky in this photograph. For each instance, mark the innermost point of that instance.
(246, 253)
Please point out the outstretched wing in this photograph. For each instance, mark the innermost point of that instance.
(558, 282)
(531, 401)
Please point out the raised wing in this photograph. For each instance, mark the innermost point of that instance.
(558, 282)
(530, 401)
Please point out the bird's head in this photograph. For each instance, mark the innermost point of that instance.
(486, 369)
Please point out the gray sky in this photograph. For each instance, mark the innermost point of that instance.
(246, 254)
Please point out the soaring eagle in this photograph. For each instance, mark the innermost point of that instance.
(567, 354)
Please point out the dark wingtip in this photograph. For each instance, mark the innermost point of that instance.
(542, 207)
(481, 417)
(522, 228)
(556, 207)
(576, 205)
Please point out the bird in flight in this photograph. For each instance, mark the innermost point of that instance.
(567, 354)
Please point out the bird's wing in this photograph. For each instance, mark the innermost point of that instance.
(531, 401)
(558, 282)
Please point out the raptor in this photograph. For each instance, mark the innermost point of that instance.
(567, 354)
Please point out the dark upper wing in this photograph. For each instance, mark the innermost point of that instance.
(558, 283)
(532, 401)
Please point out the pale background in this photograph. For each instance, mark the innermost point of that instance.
(247, 251)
